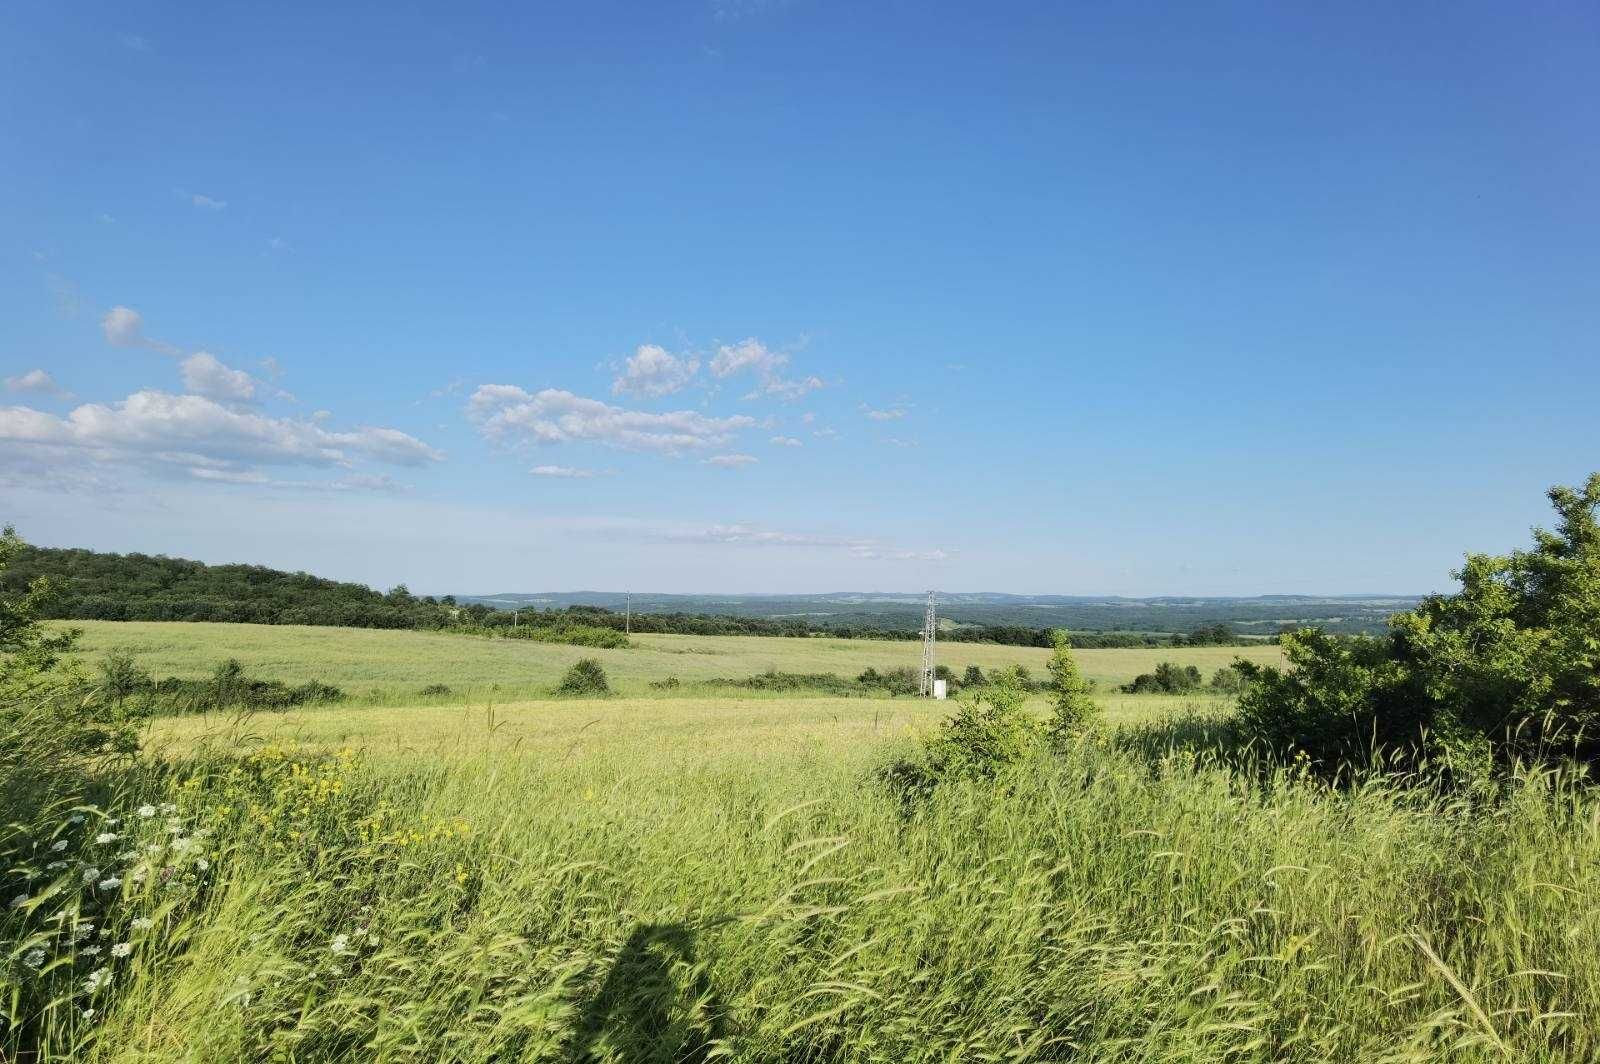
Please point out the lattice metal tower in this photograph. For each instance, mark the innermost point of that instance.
(930, 625)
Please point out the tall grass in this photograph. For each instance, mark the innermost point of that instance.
(1112, 904)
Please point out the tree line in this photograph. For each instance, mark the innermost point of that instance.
(96, 586)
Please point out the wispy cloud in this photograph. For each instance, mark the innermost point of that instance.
(786, 441)
(732, 461)
(206, 203)
(754, 357)
(507, 414)
(747, 535)
(36, 382)
(891, 414)
(566, 472)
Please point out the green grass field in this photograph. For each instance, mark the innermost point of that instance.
(643, 879)
(394, 665)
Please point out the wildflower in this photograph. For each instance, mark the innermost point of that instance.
(105, 837)
(58, 845)
(202, 864)
(55, 866)
(97, 979)
(340, 944)
(147, 811)
(143, 923)
(90, 875)
(182, 845)
(121, 949)
(34, 958)
(110, 883)
(88, 1014)
(90, 951)
(168, 807)
(19, 901)
(75, 818)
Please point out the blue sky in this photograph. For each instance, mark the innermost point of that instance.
(804, 296)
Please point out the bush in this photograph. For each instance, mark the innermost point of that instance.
(1168, 679)
(1228, 680)
(772, 680)
(1506, 669)
(899, 681)
(586, 677)
(435, 690)
(1073, 709)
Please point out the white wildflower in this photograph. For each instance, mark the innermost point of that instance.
(90, 875)
(110, 883)
(90, 951)
(19, 901)
(105, 837)
(143, 923)
(34, 958)
(84, 931)
(340, 944)
(58, 845)
(55, 866)
(202, 864)
(147, 811)
(88, 1014)
(121, 949)
(181, 845)
(168, 807)
(75, 818)
(97, 979)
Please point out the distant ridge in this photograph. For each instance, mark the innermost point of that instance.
(1250, 615)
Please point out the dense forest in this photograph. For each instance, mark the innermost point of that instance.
(90, 585)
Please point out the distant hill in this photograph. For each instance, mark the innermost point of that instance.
(1255, 615)
(91, 585)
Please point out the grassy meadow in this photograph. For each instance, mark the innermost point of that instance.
(686, 878)
(378, 665)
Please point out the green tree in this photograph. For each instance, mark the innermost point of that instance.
(1073, 708)
(1506, 668)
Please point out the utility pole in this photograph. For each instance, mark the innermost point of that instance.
(514, 619)
(930, 625)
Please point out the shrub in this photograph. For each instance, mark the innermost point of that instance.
(1168, 679)
(1507, 668)
(1072, 707)
(669, 684)
(1228, 680)
(899, 681)
(586, 677)
(973, 677)
(772, 680)
(435, 689)
(986, 734)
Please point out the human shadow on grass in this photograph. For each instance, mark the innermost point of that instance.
(655, 1006)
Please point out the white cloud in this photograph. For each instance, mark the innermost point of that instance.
(826, 433)
(277, 243)
(787, 441)
(204, 375)
(505, 413)
(36, 381)
(195, 430)
(732, 461)
(892, 414)
(206, 203)
(653, 372)
(124, 327)
(753, 356)
(564, 472)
